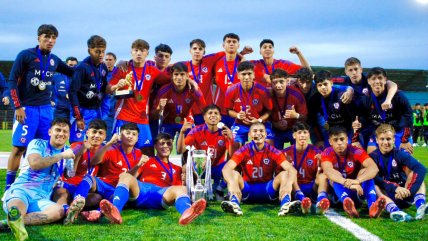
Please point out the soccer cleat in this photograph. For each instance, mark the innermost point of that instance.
(231, 207)
(73, 211)
(16, 224)
(306, 205)
(193, 212)
(349, 207)
(110, 211)
(90, 216)
(290, 207)
(424, 145)
(323, 205)
(415, 144)
(377, 207)
(421, 212)
(400, 216)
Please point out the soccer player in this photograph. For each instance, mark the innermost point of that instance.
(247, 102)
(176, 100)
(135, 109)
(418, 119)
(30, 82)
(289, 106)
(3, 90)
(159, 186)
(425, 124)
(209, 135)
(109, 102)
(310, 184)
(60, 92)
(400, 179)
(27, 202)
(88, 87)
(258, 161)
(351, 172)
(113, 159)
(400, 115)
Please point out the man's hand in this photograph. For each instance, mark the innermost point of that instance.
(347, 96)
(386, 105)
(5, 100)
(80, 124)
(402, 193)
(67, 154)
(356, 125)
(186, 126)
(294, 50)
(407, 147)
(143, 160)
(246, 50)
(291, 114)
(358, 189)
(20, 115)
(227, 132)
(162, 103)
(114, 139)
(86, 145)
(122, 83)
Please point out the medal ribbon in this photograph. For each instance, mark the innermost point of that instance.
(169, 172)
(283, 108)
(378, 109)
(139, 83)
(243, 97)
(324, 107)
(197, 78)
(298, 165)
(235, 65)
(266, 68)
(61, 164)
(126, 158)
(88, 159)
(388, 171)
(43, 67)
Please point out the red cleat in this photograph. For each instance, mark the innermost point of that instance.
(377, 207)
(323, 205)
(110, 211)
(349, 207)
(306, 205)
(193, 212)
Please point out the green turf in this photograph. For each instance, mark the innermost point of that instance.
(5, 140)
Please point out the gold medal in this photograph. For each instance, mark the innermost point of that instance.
(42, 85)
(178, 119)
(326, 126)
(139, 97)
(284, 123)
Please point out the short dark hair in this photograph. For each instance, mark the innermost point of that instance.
(180, 67)
(111, 54)
(300, 126)
(336, 130)
(266, 41)
(211, 107)
(47, 29)
(140, 44)
(97, 124)
(161, 136)
(198, 42)
(322, 75)
(417, 104)
(305, 74)
(376, 71)
(130, 126)
(60, 120)
(426, 104)
(163, 48)
(96, 41)
(246, 65)
(352, 61)
(278, 73)
(231, 35)
(71, 58)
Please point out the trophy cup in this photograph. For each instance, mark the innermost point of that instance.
(124, 94)
(198, 162)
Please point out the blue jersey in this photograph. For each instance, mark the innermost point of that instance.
(360, 89)
(109, 102)
(61, 88)
(3, 86)
(31, 77)
(391, 173)
(88, 86)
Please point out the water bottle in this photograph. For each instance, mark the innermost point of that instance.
(69, 166)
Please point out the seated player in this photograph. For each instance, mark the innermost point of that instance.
(113, 159)
(400, 179)
(351, 172)
(209, 135)
(27, 201)
(310, 184)
(258, 161)
(159, 186)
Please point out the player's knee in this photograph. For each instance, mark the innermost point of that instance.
(125, 177)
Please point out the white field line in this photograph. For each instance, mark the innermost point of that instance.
(351, 227)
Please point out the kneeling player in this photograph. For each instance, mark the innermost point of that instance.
(309, 182)
(159, 186)
(258, 161)
(394, 184)
(351, 172)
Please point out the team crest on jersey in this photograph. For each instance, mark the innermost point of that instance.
(78, 134)
(366, 91)
(22, 140)
(350, 164)
(310, 162)
(148, 77)
(394, 163)
(336, 105)
(266, 161)
(52, 62)
(187, 100)
(205, 69)
(34, 81)
(90, 95)
(255, 101)
(220, 142)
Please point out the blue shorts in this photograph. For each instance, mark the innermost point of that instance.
(258, 192)
(240, 132)
(398, 136)
(308, 190)
(104, 189)
(36, 125)
(109, 121)
(88, 115)
(150, 196)
(144, 136)
(199, 119)
(281, 137)
(171, 129)
(227, 120)
(35, 202)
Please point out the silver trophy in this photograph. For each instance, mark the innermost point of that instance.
(199, 162)
(128, 93)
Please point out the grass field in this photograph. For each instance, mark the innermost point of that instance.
(258, 223)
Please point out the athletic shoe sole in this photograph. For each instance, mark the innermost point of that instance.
(228, 207)
(306, 205)
(110, 211)
(377, 207)
(73, 211)
(16, 224)
(193, 212)
(323, 206)
(349, 207)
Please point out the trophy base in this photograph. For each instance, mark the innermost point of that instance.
(123, 94)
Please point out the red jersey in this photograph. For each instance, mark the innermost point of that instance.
(293, 96)
(350, 164)
(305, 162)
(202, 138)
(203, 75)
(226, 74)
(161, 174)
(178, 104)
(83, 167)
(114, 163)
(261, 69)
(136, 109)
(258, 166)
(255, 101)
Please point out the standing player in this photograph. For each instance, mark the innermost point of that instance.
(418, 119)
(27, 202)
(400, 179)
(425, 124)
(159, 186)
(60, 92)
(310, 183)
(29, 83)
(351, 172)
(247, 102)
(258, 161)
(88, 87)
(109, 102)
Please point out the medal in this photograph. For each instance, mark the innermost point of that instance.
(66, 96)
(178, 119)
(139, 97)
(42, 85)
(284, 123)
(326, 126)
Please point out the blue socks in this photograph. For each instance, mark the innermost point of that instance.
(234, 199)
(299, 195)
(285, 200)
(10, 179)
(391, 207)
(84, 187)
(340, 191)
(120, 196)
(182, 203)
(369, 192)
(419, 200)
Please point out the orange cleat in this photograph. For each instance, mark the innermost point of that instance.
(349, 207)
(110, 211)
(377, 207)
(193, 212)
